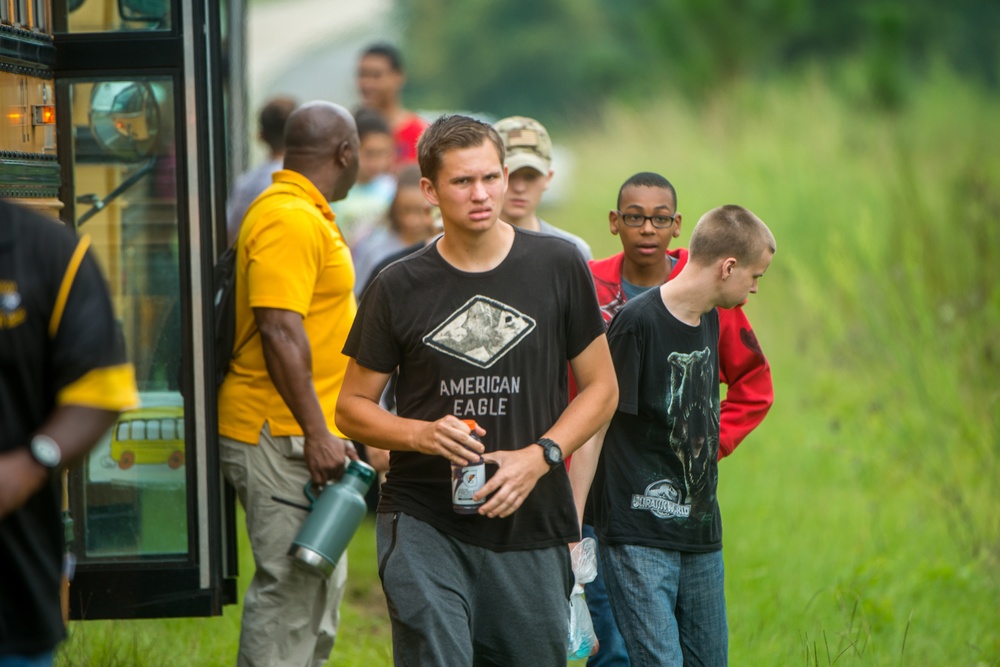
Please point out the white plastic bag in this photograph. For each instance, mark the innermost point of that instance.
(582, 640)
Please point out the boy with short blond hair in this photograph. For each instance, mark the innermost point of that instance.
(647, 219)
(655, 505)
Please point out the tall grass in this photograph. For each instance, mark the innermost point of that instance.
(861, 517)
(861, 522)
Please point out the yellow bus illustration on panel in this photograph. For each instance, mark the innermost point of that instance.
(149, 435)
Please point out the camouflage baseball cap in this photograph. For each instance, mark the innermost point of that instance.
(526, 142)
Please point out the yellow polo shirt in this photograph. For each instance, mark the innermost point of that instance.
(291, 256)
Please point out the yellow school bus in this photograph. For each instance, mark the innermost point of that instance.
(149, 436)
(29, 171)
(126, 119)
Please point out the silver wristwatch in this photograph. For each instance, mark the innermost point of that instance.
(46, 451)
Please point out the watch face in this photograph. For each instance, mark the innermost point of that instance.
(553, 454)
(46, 451)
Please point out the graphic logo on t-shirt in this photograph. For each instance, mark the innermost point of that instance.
(661, 499)
(693, 407)
(481, 331)
(11, 312)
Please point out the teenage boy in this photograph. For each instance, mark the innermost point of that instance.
(491, 315)
(528, 150)
(380, 84)
(646, 220)
(656, 511)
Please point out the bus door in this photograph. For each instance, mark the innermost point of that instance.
(140, 104)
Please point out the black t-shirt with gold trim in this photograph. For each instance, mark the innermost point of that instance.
(56, 334)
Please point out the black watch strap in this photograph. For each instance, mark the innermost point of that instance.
(553, 452)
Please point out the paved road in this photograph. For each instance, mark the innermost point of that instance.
(309, 49)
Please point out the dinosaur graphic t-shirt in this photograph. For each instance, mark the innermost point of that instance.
(488, 346)
(656, 480)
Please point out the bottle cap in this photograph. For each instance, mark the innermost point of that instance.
(471, 423)
(361, 470)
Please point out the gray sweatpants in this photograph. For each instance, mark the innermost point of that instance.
(453, 604)
(290, 616)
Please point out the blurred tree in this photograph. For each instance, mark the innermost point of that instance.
(515, 57)
(565, 58)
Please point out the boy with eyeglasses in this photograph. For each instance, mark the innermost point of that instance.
(647, 220)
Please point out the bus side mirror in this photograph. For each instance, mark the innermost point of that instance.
(125, 119)
(149, 11)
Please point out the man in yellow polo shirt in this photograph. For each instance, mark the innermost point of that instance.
(294, 306)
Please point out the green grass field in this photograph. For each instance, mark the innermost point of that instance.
(861, 522)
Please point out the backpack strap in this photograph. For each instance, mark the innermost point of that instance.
(238, 345)
(67, 283)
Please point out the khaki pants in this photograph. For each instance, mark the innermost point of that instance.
(290, 616)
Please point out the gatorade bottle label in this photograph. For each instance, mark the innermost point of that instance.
(469, 480)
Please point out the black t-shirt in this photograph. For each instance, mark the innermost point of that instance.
(34, 366)
(658, 472)
(488, 346)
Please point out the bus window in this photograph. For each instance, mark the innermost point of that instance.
(170, 431)
(114, 15)
(125, 178)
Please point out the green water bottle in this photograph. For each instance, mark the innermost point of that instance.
(333, 519)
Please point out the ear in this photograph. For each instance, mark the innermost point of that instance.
(548, 179)
(613, 222)
(677, 225)
(728, 265)
(345, 154)
(430, 194)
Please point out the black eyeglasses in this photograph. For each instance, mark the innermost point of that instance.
(637, 220)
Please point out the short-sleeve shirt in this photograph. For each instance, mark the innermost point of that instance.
(581, 245)
(60, 344)
(657, 476)
(290, 256)
(490, 346)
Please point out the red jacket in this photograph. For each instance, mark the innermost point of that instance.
(742, 365)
